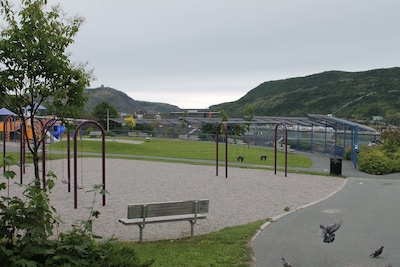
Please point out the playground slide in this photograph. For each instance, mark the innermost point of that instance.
(59, 130)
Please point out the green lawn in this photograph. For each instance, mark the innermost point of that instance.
(178, 149)
(227, 247)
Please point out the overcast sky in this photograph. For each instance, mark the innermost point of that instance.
(197, 53)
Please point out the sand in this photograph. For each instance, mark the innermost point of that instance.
(247, 195)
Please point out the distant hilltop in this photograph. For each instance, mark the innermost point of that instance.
(123, 103)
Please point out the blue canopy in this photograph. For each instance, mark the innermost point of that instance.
(6, 112)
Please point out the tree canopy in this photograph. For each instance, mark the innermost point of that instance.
(35, 67)
(103, 111)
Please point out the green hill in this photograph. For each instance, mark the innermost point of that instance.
(123, 103)
(351, 95)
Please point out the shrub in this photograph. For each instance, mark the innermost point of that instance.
(374, 161)
(347, 154)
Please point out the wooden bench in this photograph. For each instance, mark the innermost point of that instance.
(142, 214)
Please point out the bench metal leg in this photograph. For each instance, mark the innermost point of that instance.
(192, 223)
(141, 227)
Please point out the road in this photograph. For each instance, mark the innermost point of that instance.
(369, 207)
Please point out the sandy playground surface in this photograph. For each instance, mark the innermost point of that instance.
(247, 195)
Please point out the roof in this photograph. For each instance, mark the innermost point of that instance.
(260, 120)
(311, 120)
(36, 106)
(330, 120)
(6, 112)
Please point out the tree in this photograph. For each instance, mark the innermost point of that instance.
(103, 111)
(223, 115)
(35, 67)
(248, 114)
(130, 122)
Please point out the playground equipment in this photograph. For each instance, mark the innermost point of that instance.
(103, 153)
(76, 186)
(59, 130)
(41, 128)
(226, 147)
(286, 144)
(9, 117)
(240, 156)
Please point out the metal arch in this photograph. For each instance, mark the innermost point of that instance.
(76, 161)
(44, 150)
(226, 147)
(286, 142)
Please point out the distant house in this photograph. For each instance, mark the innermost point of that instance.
(203, 113)
(377, 118)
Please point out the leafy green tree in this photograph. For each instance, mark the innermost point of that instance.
(35, 67)
(223, 115)
(103, 111)
(248, 114)
(390, 140)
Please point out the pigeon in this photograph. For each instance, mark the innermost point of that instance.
(377, 252)
(285, 263)
(328, 232)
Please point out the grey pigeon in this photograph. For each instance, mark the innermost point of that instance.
(377, 252)
(285, 263)
(328, 232)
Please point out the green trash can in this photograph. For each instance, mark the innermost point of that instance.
(336, 166)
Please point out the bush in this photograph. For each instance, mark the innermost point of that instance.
(374, 161)
(347, 154)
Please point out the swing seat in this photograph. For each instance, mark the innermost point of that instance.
(240, 158)
(263, 157)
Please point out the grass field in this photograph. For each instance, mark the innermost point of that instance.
(187, 150)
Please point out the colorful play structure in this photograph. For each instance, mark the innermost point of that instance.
(13, 132)
(12, 129)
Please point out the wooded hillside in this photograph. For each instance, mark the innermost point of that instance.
(351, 95)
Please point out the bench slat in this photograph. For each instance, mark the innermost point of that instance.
(167, 209)
(174, 218)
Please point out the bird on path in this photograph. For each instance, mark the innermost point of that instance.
(328, 232)
(377, 252)
(285, 263)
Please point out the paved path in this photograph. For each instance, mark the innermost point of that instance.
(369, 207)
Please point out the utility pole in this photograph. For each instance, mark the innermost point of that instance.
(108, 120)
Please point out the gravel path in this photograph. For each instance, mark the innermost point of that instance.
(245, 196)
